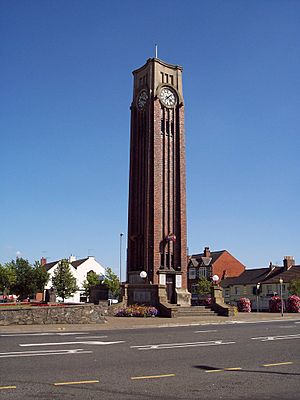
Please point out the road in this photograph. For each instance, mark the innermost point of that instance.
(237, 361)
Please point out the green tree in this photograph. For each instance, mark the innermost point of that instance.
(24, 285)
(63, 280)
(92, 279)
(204, 286)
(7, 277)
(112, 282)
(294, 287)
(40, 276)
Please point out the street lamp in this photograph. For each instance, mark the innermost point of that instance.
(215, 279)
(143, 275)
(281, 282)
(257, 296)
(121, 236)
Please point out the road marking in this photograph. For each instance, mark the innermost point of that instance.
(68, 343)
(75, 383)
(287, 326)
(44, 334)
(90, 337)
(280, 337)
(233, 369)
(7, 387)
(179, 345)
(208, 331)
(151, 376)
(42, 353)
(214, 370)
(275, 364)
(224, 369)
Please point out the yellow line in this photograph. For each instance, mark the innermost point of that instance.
(273, 365)
(74, 383)
(233, 369)
(151, 376)
(225, 369)
(215, 370)
(7, 387)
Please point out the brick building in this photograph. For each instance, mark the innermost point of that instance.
(209, 263)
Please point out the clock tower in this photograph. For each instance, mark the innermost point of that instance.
(157, 238)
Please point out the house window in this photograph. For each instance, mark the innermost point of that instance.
(192, 273)
(202, 272)
(269, 289)
(227, 292)
(237, 290)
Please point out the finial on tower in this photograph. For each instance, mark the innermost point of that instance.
(156, 51)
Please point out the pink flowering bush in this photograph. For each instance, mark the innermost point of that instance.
(275, 304)
(293, 304)
(208, 301)
(244, 305)
(137, 311)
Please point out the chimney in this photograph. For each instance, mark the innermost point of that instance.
(72, 258)
(43, 261)
(271, 267)
(206, 252)
(288, 262)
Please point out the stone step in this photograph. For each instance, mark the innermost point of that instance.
(194, 311)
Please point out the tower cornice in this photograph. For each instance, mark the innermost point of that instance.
(159, 61)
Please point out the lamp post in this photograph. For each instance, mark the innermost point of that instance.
(215, 279)
(143, 275)
(281, 282)
(257, 296)
(121, 236)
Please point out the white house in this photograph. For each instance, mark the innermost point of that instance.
(80, 269)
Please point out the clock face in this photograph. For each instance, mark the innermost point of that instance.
(167, 97)
(142, 99)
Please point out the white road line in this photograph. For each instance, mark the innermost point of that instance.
(287, 326)
(208, 331)
(68, 343)
(179, 345)
(42, 353)
(44, 334)
(279, 337)
(90, 337)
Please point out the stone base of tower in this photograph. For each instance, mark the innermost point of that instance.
(154, 295)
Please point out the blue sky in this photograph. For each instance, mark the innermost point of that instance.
(66, 89)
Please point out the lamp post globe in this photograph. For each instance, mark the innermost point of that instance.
(143, 274)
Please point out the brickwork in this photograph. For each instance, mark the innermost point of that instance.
(157, 188)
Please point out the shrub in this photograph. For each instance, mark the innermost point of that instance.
(275, 304)
(293, 304)
(244, 305)
(137, 311)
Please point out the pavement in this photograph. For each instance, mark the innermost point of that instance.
(117, 323)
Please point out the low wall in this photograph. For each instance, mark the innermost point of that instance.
(44, 315)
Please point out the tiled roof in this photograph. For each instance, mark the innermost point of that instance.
(199, 259)
(50, 265)
(263, 275)
(74, 264)
(286, 275)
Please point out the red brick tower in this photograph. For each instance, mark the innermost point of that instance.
(157, 240)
